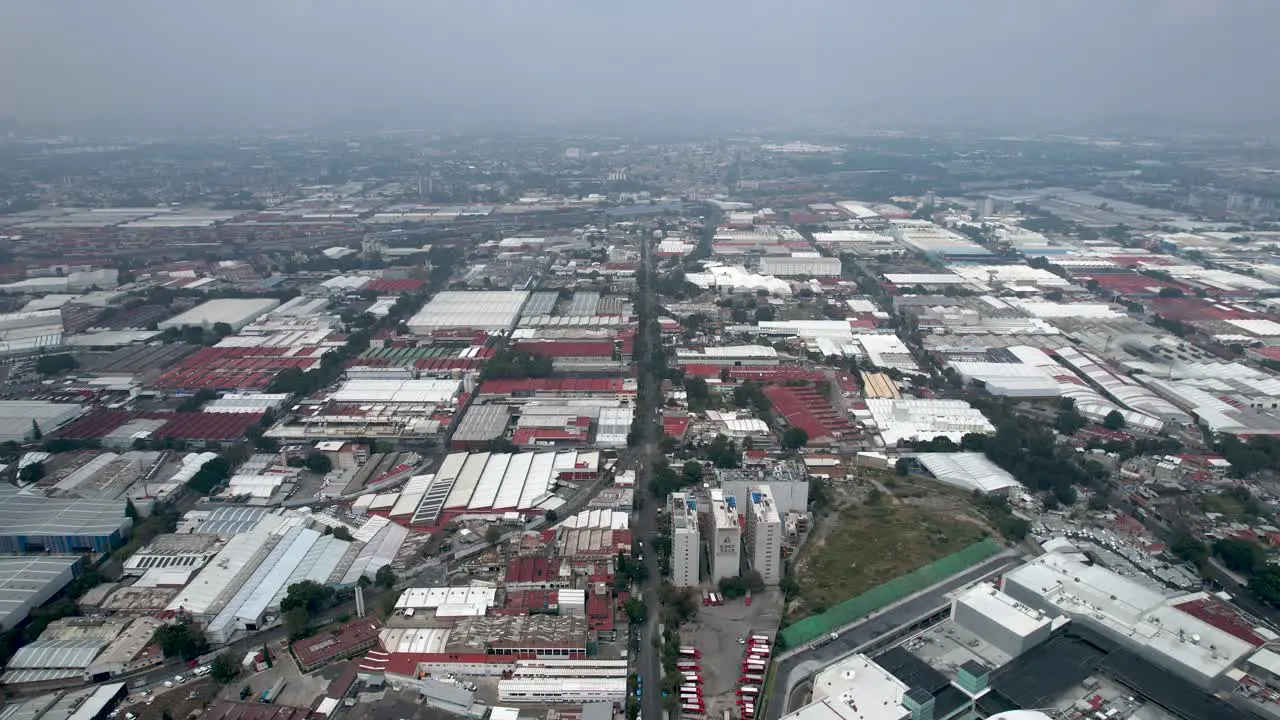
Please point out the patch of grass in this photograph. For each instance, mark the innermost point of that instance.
(871, 544)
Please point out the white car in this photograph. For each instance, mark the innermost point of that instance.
(168, 683)
(179, 678)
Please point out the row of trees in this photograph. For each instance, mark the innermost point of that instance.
(518, 364)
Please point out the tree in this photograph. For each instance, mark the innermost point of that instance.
(875, 497)
(342, 533)
(296, 622)
(1113, 420)
(755, 583)
(733, 587)
(221, 329)
(789, 587)
(318, 463)
(309, 595)
(1240, 556)
(902, 467)
(551, 516)
(181, 640)
(54, 364)
(493, 534)
(224, 668)
(31, 473)
(1265, 585)
(1190, 548)
(692, 472)
(1069, 421)
(385, 578)
(723, 453)
(794, 438)
(210, 475)
(36, 433)
(636, 610)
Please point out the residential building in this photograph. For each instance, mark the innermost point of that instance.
(724, 537)
(764, 535)
(684, 540)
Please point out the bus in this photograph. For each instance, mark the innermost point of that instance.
(693, 678)
(760, 639)
(748, 691)
(690, 689)
(688, 665)
(690, 652)
(751, 679)
(692, 709)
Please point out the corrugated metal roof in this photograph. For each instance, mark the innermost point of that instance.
(46, 654)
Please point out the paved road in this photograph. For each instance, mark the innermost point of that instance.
(647, 656)
(794, 668)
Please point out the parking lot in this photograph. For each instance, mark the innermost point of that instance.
(716, 633)
(179, 701)
(299, 690)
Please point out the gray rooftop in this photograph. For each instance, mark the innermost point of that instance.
(57, 654)
(27, 581)
(33, 515)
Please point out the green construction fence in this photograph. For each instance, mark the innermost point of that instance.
(856, 608)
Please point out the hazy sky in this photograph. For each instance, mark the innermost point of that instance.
(304, 62)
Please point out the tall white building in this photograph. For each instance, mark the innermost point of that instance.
(684, 540)
(764, 534)
(724, 537)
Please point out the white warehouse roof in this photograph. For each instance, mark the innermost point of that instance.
(236, 312)
(493, 310)
(422, 391)
(924, 419)
(968, 470)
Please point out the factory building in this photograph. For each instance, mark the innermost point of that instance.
(235, 312)
(27, 582)
(20, 418)
(493, 311)
(724, 537)
(728, 355)
(764, 535)
(37, 524)
(1008, 625)
(800, 265)
(1137, 617)
(684, 540)
(30, 331)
